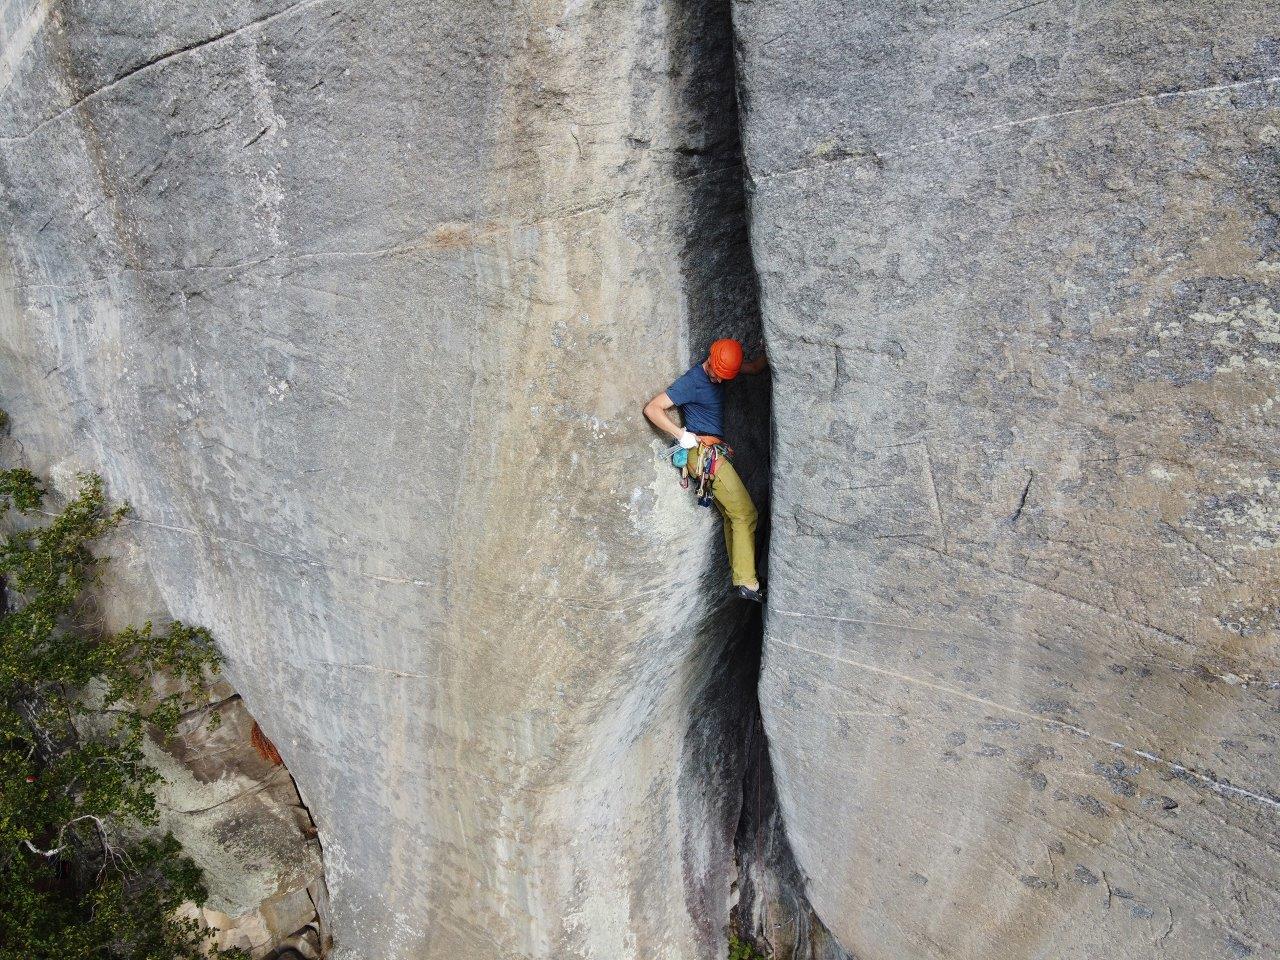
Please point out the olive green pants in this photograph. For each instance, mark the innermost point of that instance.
(739, 516)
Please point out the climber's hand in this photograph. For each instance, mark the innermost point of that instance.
(687, 440)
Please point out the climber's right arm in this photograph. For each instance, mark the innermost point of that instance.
(658, 412)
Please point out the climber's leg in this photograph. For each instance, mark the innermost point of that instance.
(740, 517)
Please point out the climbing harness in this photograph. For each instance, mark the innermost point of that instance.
(714, 450)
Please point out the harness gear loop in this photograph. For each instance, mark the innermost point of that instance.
(712, 451)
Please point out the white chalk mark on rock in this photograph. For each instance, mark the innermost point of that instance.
(20, 42)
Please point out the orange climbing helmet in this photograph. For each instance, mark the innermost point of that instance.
(726, 358)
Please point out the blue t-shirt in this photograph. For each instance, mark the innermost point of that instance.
(701, 402)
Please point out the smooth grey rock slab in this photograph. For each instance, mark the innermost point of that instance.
(1020, 280)
(358, 304)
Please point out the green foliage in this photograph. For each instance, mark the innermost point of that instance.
(21, 490)
(740, 949)
(79, 879)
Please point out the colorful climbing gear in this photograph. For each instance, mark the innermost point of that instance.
(714, 450)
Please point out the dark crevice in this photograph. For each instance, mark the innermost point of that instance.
(723, 301)
(771, 909)
(1022, 501)
(773, 913)
(721, 292)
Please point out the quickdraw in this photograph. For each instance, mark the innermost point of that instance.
(709, 463)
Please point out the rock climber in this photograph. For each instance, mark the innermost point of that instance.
(700, 396)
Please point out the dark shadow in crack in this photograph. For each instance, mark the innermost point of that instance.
(773, 912)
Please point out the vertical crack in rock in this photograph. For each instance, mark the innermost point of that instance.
(772, 911)
(721, 290)
(770, 908)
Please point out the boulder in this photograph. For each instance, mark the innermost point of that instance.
(238, 815)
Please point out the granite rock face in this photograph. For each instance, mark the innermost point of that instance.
(1020, 279)
(358, 305)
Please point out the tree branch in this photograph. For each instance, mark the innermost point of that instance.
(102, 832)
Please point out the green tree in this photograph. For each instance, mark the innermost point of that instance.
(740, 949)
(81, 878)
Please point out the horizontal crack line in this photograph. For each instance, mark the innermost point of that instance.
(164, 58)
(1217, 785)
(373, 669)
(1173, 639)
(263, 784)
(1013, 124)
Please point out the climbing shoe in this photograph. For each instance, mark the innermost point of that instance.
(746, 593)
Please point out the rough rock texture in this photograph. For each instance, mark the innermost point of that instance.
(239, 816)
(1020, 276)
(358, 305)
